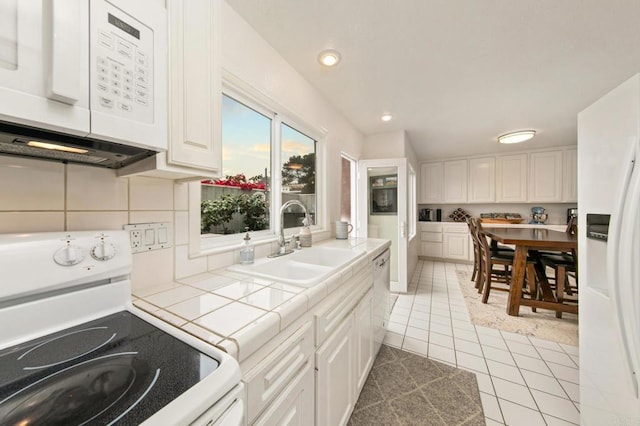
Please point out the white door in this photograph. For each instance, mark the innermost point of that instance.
(383, 211)
(44, 59)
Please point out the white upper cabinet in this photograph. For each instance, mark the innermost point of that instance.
(431, 183)
(195, 84)
(195, 145)
(511, 177)
(570, 187)
(545, 176)
(455, 181)
(482, 180)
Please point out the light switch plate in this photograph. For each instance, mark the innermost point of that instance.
(149, 236)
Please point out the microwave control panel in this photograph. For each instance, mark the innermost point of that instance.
(121, 64)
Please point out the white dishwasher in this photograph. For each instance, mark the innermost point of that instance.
(381, 297)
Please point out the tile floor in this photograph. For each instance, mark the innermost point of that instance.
(523, 380)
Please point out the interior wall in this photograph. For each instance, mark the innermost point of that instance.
(384, 145)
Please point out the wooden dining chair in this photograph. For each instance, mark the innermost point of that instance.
(476, 249)
(564, 266)
(496, 268)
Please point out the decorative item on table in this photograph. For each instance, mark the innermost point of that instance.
(501, 218)
(538, 216)
(459, 215)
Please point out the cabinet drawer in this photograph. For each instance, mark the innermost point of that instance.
(461, 228)
(267, 379)
(431, 226)
(434, 237)
(331, 313)
(295, 405)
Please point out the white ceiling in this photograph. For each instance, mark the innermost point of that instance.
(458, 73)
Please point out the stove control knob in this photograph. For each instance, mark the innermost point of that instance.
(68, 256)
(103, 251)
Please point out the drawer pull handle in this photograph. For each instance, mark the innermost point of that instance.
(285, 368)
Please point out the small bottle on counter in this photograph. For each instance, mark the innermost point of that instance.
(305, 237)
(246, 252)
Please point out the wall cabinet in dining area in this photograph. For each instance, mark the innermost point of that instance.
(528, 177)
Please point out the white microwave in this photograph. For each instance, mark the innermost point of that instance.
(92, 69)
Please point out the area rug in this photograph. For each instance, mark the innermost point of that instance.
(542, 324)
(408, 389)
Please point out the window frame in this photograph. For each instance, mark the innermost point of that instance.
(263, 104)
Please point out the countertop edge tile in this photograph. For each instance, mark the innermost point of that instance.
(243, 342)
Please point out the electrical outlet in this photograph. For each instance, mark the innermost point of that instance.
(136, 240)
(149, 236)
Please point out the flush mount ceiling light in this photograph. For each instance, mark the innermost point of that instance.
(386, 117)
(517, 137)
(329, 58)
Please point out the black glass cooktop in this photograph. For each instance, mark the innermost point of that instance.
(115, 370)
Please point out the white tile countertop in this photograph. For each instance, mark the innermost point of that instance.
(240, 313)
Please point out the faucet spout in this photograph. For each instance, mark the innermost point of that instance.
(281, 241)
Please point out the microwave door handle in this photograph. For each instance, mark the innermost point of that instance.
(63, 22)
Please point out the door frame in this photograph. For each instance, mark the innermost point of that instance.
(401, 285)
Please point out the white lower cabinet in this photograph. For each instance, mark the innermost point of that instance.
(266, 381)
(343, 363)
(363, 337)
(283, 388)
(445, 240)
(295, 405)
(335, 376)
(455, 242)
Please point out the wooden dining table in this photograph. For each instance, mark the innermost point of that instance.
(528, 241)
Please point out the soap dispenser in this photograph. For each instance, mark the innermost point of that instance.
(246, 252)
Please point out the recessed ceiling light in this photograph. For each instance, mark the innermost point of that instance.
(517, 137)
(386, 117)
(329, 58)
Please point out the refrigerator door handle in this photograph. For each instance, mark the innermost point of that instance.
(622, 245)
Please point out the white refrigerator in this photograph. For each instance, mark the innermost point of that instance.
(609, 257)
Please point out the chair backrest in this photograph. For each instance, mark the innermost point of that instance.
(472, 229)
(478, 236)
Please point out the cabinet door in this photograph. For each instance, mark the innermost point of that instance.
(511, 173)
(363, 339)
(431, 249)
(545, 176)
(570, 187)
(456, 246)
(335, 389)
(194, 78)
(431, 183)
(482, 180)
(455, 181)
(294, 406)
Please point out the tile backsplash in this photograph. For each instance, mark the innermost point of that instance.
(40, 196)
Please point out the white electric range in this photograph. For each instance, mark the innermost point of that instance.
(75, 351)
